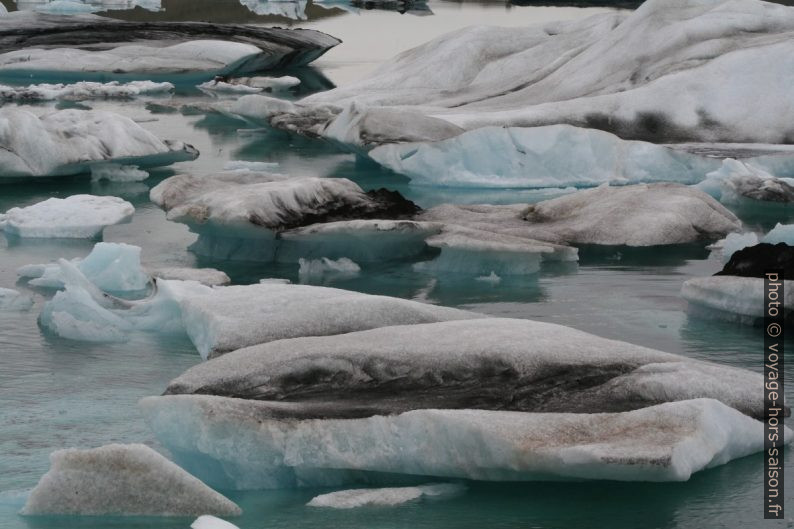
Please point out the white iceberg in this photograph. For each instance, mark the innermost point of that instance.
(13, 300)
(75, 217)
(122, 479)
(85, 6)
(83, 90)
(69, 142)
(245, 445)
(206, 276)
(735, 242)
(317, 268)
(294, 9)
(228, 318)
(113, 172)
(736, 180)
(208, 521)
(485, 363)
(250, 85)
(552, 156)
(88, 45)
(384, 497)
(780, 233)
(111, 267)
(731, 298)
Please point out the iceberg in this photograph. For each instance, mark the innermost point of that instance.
(208, 521)
(485, 363)
(84, 90)
(69, 142)
(113, 172)
(780, 233)
(731, 298)
(85, 6)
(735, 242)
(13, 300)
(79, 46)
(756, 261)
(111, 267)
(294, 9)
(654, 74)
(228, 318)
(250, 85)
(736, 180)
(385, 497)
(317, 268)
(239, 214)
(536, 157)
(122, 479)
(74, 217)
(206, 276)
(247, 444)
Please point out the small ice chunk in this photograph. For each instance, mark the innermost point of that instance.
(77, 217)
(205, 276)
(274, 281)
(735, 242)
(83, 90)
(208, 521)
(780, 233)
(113, 172)
(385, 497)
(122, 479)
(316, 268)
(13, 300)
(112, 267)
(250, 85)
(731, 298)
(492, 278)
(242, 165)
(737, 179)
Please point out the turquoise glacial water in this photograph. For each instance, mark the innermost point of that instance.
(56, 393)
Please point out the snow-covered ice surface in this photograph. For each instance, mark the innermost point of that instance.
(731, 298)
(668, 442)
(13, 300)
(122, 479)
(76, 217)
(500, 364)
(205, 276)
(586, 73)
(69, 142)
(111, 267)
(385, 497)
(88, 44)
(228, 318)
(84, 90)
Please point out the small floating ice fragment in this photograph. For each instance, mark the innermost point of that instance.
(12, 300)
(76, 217)
(83, 90)
(385, 497)
(113, 172)
(207, 521)
(316, 268)
(122, 479)
(205, 276)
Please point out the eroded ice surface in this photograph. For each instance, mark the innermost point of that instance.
(586, 73)
(498, 364)
(69, 142)
(113, 172)
(87, 44)
(85, 6)
(667, 442)
(229, 318)
(205, 276)
(250, 85)
(111, 267)
(13, 300)
(122, 479)
(83, 90)
(75, 217)
(385, 497)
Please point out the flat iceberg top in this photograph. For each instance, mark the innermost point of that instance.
(496, 364)
(206, 276)
(135, 47)
(67, 142)
(385, 497)
(668, 442)
(229, 318)
(77, 216)
(121, 479)
(730, 297)
(251, 203)
(620, 72)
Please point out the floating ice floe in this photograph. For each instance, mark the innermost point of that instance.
(78, 46)
(735, 242)
(736, 180)
(83, 90)
(205, 276)
(737, 292)
(486, 363)
(250, 85)
(111, 267)
(272, 449)
(113, 172)
(69, 142)
(317, 268)
(76, 217)
(385, 497)
(238, 214)
(208, 521)
(294, 9)
(12, 300)
(585, 73)
(780, 233)
(68, 7)
(122, 479)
